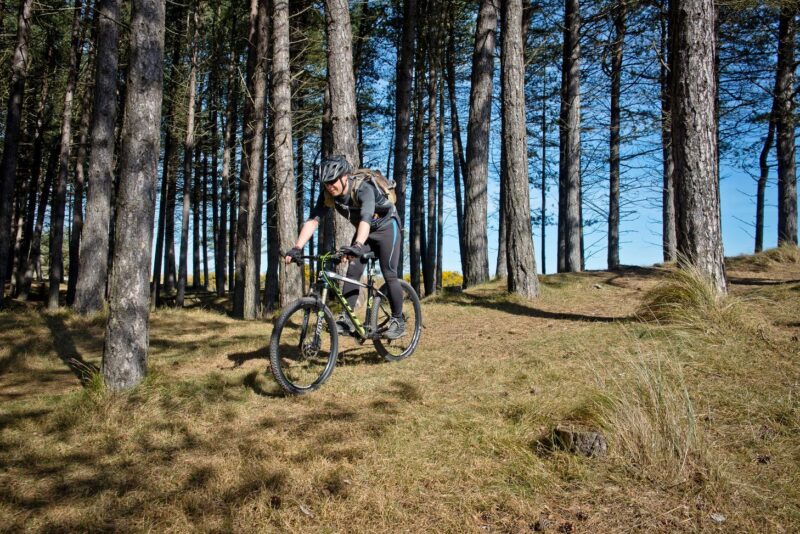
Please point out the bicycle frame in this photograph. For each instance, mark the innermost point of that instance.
(326, 280)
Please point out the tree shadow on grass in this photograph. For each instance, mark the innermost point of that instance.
(67, 351)
(760, 281)
(515, 308)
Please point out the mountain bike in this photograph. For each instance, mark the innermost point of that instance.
(305, 341)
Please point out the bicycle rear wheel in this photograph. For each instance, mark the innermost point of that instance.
(397, 349)
(304, 346)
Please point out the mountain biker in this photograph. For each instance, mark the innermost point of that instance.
(377, 230)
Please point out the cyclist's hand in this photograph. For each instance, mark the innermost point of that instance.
(356, 250)
(293, 255)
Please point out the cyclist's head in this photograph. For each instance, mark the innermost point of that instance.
(333, 168)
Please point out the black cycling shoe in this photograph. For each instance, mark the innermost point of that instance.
(396, 328)
(344, 326)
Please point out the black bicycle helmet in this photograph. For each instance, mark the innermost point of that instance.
(332, 168)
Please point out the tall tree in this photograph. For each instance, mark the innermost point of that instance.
(763, 176)
(79, 186)
(569, 199)
(342, 89)
(229, 164)
(694, 140)
(290, 282)
(188, 153)
(521, 260)
(429, 261)
(248, 245)
(476, 268)
(459, 163)
(126, 339)
(784, 96)
(619, 12)
(669, 239)
(8, 165)
(405, 74)
(42, 121)
(60, 186)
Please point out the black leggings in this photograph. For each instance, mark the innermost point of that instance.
(386, 243)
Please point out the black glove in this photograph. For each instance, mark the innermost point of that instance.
(355, 250)
(295, 253)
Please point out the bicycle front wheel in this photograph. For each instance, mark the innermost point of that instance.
(397, 349)
(304, 346)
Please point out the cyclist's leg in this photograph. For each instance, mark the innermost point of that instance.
(354, 271)
(387, 243)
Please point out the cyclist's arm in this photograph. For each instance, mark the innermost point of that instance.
(306, 232)
(366, 197)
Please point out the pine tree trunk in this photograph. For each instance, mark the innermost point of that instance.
(440, 191)
(614, 142)
(188, 153)
(229, 171)
(405, 74)
(501, 267)
(60, 187)
(669, 232)
(80, 182)
(694, 139)
(520, 254)
(196, 215)
(762, 179)
(42, 124)
(8, 165)
(544, 170)
(204, 223)
(245, 302)
(429, 261)
(290, 281)
(459, 163)
(342, 85)
(570, 151)
(166, 209)
(476, 269)
(784, 94)
(126, 339)
(416, 240)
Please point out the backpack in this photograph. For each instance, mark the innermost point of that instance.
(374, 176)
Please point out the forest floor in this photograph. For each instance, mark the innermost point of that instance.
(702, 418)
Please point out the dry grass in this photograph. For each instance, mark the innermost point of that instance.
(700, 421)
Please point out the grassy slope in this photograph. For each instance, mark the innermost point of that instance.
(702, 418)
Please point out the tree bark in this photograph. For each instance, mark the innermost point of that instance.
(79, 186)
(570, 151)
(521, 259)
(204, 233)
(694, 144)
(289, 281)
(619, 13)
(440, 191)
(245, 302)
(342, 85)
(188, 168)
(669, 232)
(166, 209)
(126, 339)
(60, 187)
(784, 94)
(429, 261)
(416, 226)
(8, 165)
(22, 283)
(544, 169)
(229, 169)
(459, 163)
(762, 179)
(405, 74)
(476, 269)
